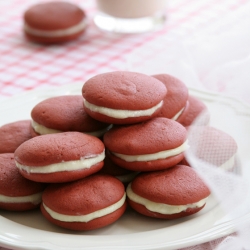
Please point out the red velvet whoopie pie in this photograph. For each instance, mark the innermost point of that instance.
(90, 203)
(54, 22)
(16, 192)
(196, 108)
(168, 194)
(60, 157)
(156, 144)
(176, 99)
(213, 146)
(63, 114)
(123, 97)
(13, 134)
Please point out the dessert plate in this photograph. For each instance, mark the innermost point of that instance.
(29, 230)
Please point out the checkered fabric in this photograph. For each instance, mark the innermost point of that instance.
(25, 65)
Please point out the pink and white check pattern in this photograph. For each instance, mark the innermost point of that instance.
(25, 66)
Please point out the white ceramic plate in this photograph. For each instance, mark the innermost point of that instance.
(29, 230)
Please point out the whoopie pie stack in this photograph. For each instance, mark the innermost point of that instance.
(122, 140)
(147, 137)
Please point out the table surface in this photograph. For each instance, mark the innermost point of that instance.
(25, 66)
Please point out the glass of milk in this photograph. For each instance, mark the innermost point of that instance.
(130, 16)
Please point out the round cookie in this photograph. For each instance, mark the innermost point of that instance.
(176, 98)
(54, 22)
(213, 146)
(196, 108)
(60, 157)
(123, 97)
(16, 192)
(90, 203)
(168, 194)
(13, 135)
(122, 174)
(62, 114)
(156, 144)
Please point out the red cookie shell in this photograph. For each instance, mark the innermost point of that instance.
(150, 137)
(83, 197)
(65, 113)
(13, 184)
(176, 97)
(56, 148)
(52, 16)
(13, 135)
(143, 210)
(179, 185)
(196, 107)
(123, 90)
(144, 166)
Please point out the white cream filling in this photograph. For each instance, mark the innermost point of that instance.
(178, 114)
(56, 33)
(87, 217)
(119, 113)
(161, 207)
(152, 157)
(34, 198)
(42, 130)
(83, 163)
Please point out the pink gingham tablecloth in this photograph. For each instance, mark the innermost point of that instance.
(25, 66)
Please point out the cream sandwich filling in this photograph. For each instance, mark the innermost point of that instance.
(83, 163)
(56, 33)
(162, 208)
(120, 113)
(34, 198)
(42, 130)
(87, 217)
(178, 114)
(152, 157)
